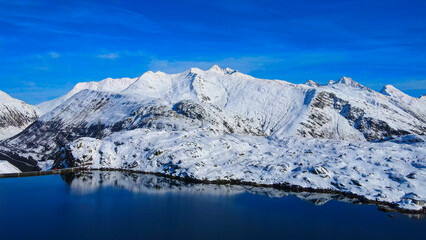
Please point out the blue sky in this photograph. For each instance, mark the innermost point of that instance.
(48, 46)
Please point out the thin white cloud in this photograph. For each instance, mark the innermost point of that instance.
(54, 55)
(90, 14)
(110, 56)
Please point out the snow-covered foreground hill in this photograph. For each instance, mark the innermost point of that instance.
(388, 171)
(15, 115)
(222, 124)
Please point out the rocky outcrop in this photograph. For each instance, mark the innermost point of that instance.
(221, 101)
(326, 108)
(12, 117)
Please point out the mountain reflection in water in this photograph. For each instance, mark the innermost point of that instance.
(124, 205)
(87, 182)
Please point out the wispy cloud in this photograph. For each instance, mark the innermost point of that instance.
(111, 56)
(54, 55)
(76, 18)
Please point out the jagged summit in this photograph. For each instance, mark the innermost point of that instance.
(311, 83)
(186, 124)
(347, 81)
(350, 82)
(390, 90)
(278, 107)
(331, 82)
(215, 68)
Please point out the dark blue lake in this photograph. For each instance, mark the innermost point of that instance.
(116, 205)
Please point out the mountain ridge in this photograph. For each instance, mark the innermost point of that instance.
(221, 124)
(230, 90)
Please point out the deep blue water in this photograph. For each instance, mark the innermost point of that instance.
(116, 205)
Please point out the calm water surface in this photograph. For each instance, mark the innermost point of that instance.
(115, 205)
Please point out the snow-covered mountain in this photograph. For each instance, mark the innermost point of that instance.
(106, 85)
(414, 106)
(341, 110)
(221, 124)
(15, 115)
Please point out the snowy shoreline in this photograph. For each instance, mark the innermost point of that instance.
(222, 125)
(382, 206)
(358, 199)
(379, 172)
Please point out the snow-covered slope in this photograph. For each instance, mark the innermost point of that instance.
(223, 124)
(223, 101)
(107, 85)
(414, 106)
(15, 115)
(387, 172)
(344, 109)
(6, 167)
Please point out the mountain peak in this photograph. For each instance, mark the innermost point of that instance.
(218, 69)
(347, 81)
(390, 90)
(195, 70)
(395, 93)
(331, 82)
(215, 68)
(230, 71)
(312, 83)
(148, 73)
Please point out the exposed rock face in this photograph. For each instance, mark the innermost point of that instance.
(49, 133)
(12, 117)
(190, 109)
(185, 115)
(220, 124)
(222, 101)
(326, 107)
